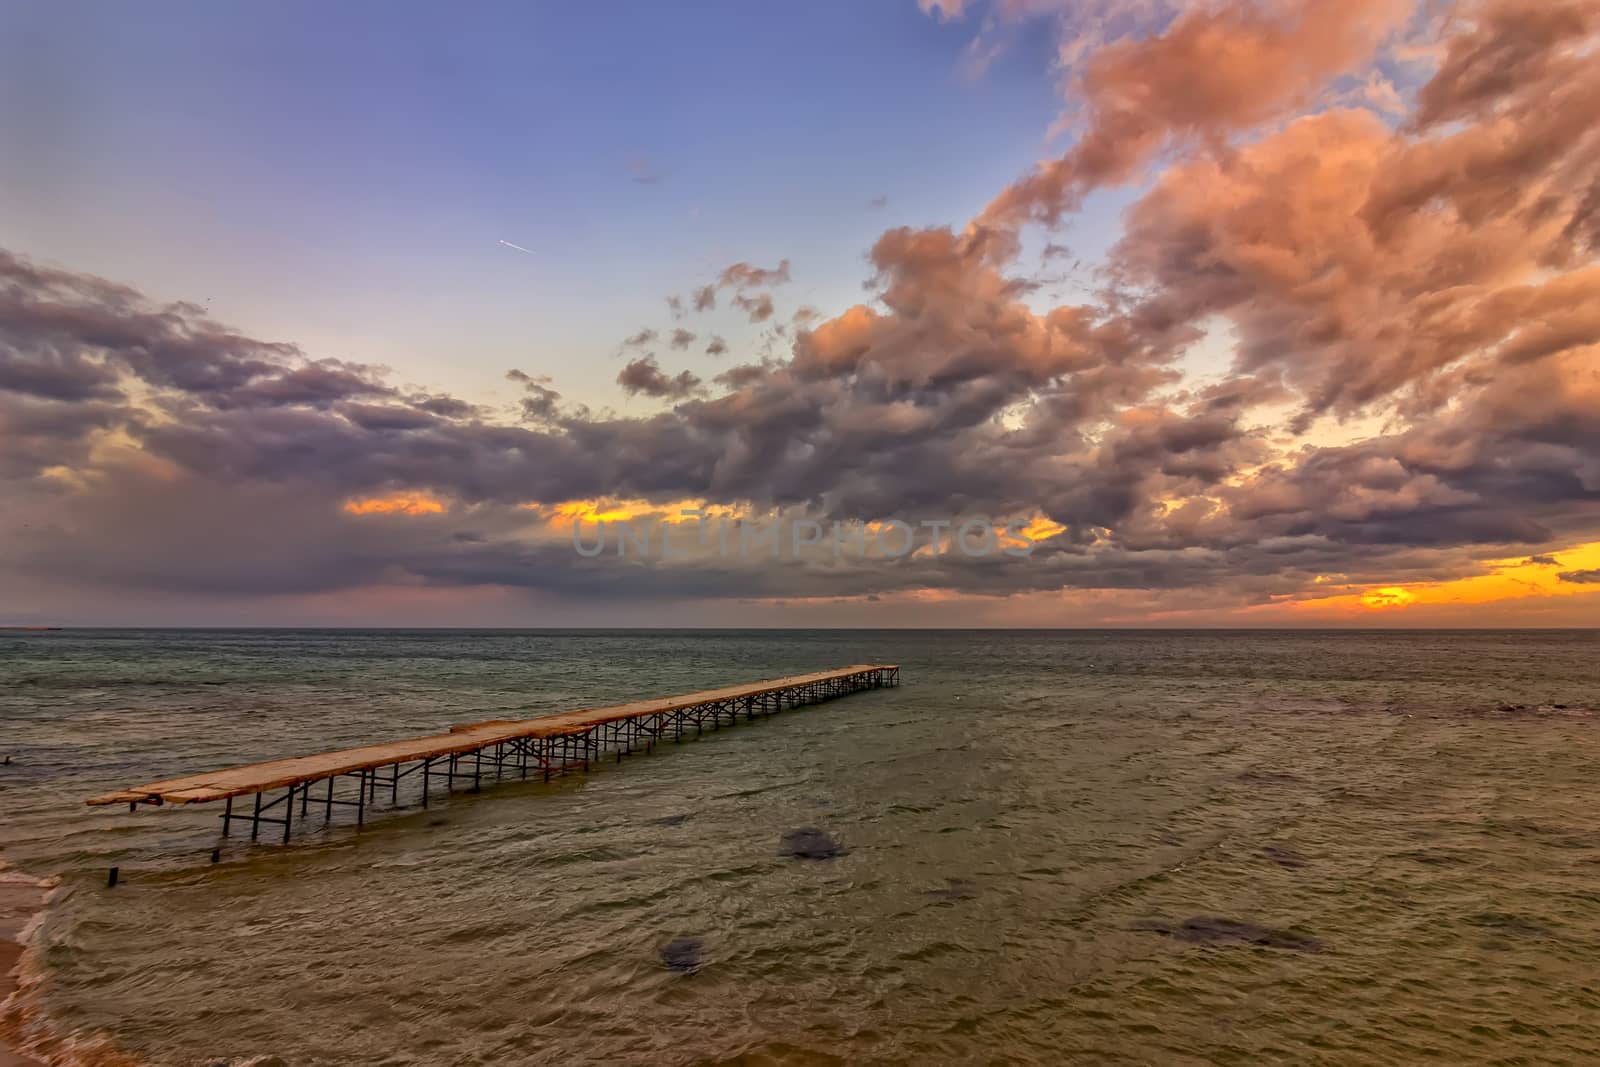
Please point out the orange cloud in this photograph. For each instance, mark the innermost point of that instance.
(1217, 69)
(624, 510)
(396, 504)
(1391, 596)
(1042, 529)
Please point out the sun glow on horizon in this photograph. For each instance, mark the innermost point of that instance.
(1390, 596)
(1514, 578)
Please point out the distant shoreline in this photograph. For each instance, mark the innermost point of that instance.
(1286, 631)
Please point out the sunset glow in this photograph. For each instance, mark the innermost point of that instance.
(1507, 580)
(1306, 337)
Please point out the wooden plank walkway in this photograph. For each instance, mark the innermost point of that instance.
(550, 743)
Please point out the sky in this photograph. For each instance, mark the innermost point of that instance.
(1233, 312)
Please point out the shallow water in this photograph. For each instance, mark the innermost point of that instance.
(1150, 847)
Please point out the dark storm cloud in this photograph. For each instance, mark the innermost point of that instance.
(386, 417)
(446, 407)
(53, 320)
(54, 376)
(320, 384)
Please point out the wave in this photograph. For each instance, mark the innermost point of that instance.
(27, 1032)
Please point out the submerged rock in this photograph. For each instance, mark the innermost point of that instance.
(1284, 857)
(1215, 929)
(954, 889)
(684, 954)
(1508, 923)
(809, 843)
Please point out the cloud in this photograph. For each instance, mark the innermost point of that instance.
(1141, 96)
(644, 375)
(717, 347)
(682, 339)
(540, 402)
(43, 434)
(1380, 93)
(1587, 577)
(758, 307)
(947, 9)
(47, 315)
(1509, 48)
(744, 276)
(642, 172)
(1400, 308)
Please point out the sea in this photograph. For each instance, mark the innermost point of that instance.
(1052, 847)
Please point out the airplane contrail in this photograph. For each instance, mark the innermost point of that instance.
(519, 248)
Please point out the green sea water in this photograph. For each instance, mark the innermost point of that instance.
(1085, 847)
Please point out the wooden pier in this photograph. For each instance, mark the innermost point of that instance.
(551, 744)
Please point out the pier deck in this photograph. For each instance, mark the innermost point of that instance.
(546, 745)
